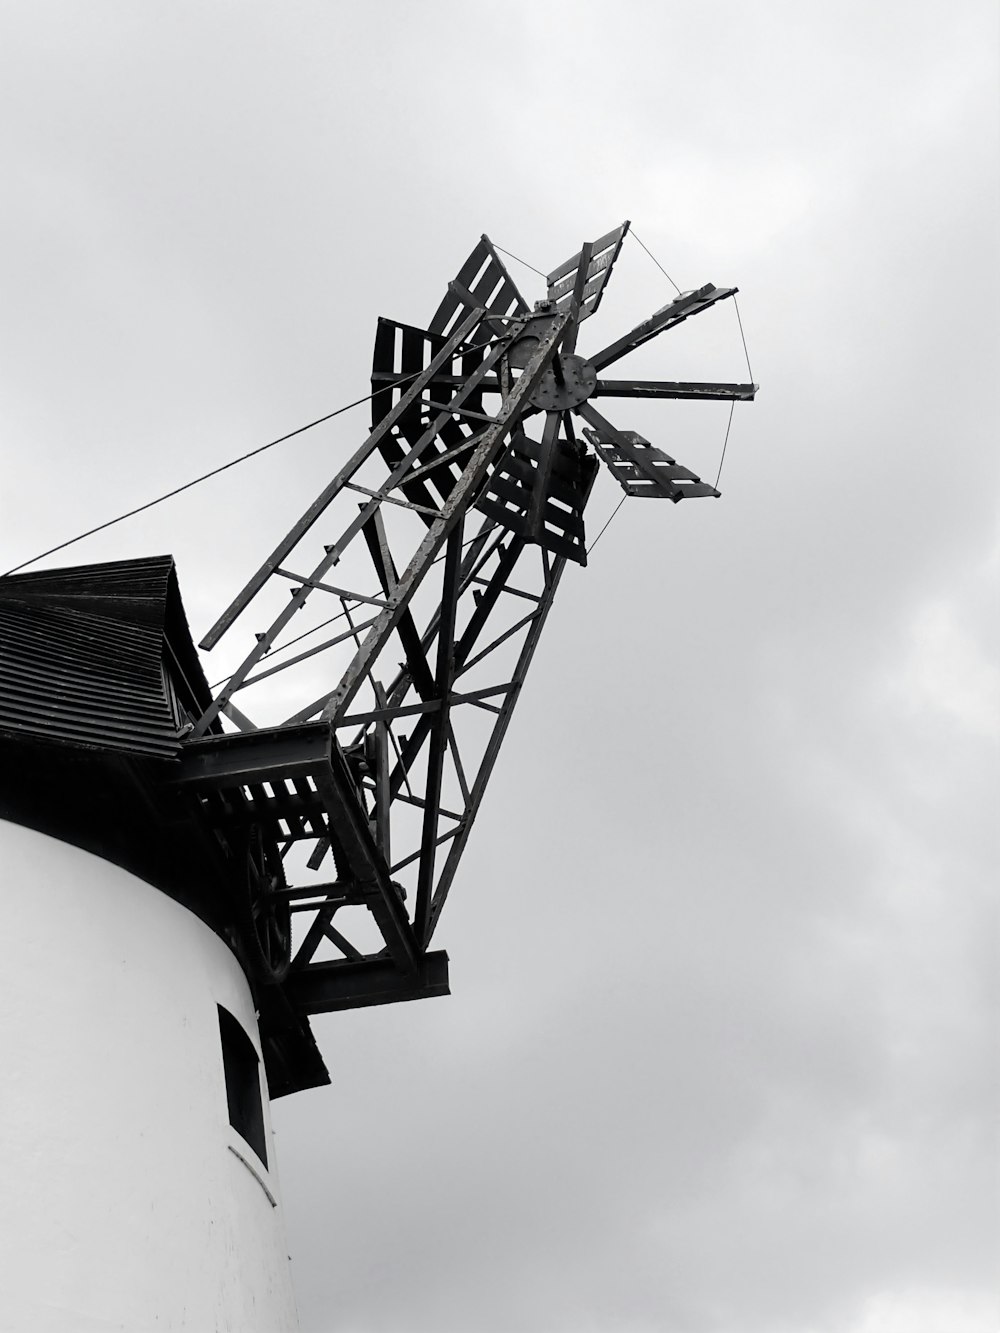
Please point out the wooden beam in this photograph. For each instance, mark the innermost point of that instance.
(439, 730)
(674, 389)
(678, 310)
(322, 988)
(463, 492)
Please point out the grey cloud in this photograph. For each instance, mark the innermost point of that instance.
(720, 1053)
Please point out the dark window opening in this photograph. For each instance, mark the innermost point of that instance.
(239, 1059)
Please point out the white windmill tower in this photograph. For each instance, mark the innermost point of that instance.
(134, 1128)
(158, 846)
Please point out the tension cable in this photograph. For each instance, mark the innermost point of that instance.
(608, 524)
(168, 495)
(740, 322)
(510, 255)
(732, 404)
(633, 232)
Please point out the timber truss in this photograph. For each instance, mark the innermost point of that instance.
(400, 616)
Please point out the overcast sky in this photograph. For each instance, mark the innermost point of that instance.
(721, 1051)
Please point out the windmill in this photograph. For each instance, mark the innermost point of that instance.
(430, 563)
(293, 831)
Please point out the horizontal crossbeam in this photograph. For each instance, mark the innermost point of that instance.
(309, 750)
(670, 389)
(322, 988)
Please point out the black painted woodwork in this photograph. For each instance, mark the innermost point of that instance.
(469, 493)
(242, 1071)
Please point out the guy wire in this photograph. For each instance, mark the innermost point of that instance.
(633, 232)
(168, 495)
(607, 525)
(732, 404)
(511, 255)
(745, 352)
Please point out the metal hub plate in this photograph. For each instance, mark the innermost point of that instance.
(579, 379)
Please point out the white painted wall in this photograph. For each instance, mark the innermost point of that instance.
(123, 1204)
